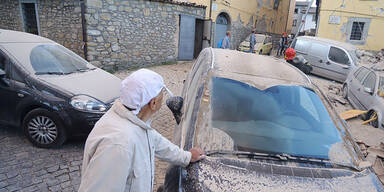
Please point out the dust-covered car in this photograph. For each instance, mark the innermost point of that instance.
(49, 91)
(264, 127)
(364, 89)
(263, 44)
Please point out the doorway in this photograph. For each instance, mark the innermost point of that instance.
(222, 26)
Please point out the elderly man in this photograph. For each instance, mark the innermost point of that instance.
(119, 152)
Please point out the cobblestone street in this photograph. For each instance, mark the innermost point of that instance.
(24, 167)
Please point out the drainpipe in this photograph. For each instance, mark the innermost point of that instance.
(210, 9)
(84, 27)
(286, 23)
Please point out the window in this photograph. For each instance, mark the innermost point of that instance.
(276, 4)
(279, 119)
(370, 81)
(294, 23)
(50, 59)
(361, 73)
(357, 31)
(339, 56)
(3, 60)
(313, 18)
(29, 13)
(296, 10)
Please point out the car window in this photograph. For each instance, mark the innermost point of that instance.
(55, 59)
(361, 74)
(318, 49)
(370, 81)
(2, 61)
(357, 72)
(4, 64)
(302, 45)
(338, 55)
(279, 119)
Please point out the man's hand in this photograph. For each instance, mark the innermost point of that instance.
(197, 154)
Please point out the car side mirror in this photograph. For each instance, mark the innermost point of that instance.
(175, 104)
(2, 73)
(368, 90)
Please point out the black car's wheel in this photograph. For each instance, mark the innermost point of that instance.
(269, 53)
(345, 91)
(370, 115)
(260, 52)
(44, 128)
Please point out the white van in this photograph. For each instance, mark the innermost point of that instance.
(329, 58)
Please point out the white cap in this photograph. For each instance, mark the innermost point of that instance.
(139, 88)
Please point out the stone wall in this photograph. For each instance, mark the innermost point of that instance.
(134, 33)
(10, 17)
(60, 20)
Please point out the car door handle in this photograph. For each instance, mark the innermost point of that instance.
(328, 63)
(20, 95)
(345, 67)
(321, 61)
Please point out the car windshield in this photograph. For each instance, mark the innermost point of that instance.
(381, 86)
(55, 59)
(281, 119)
(260, 38)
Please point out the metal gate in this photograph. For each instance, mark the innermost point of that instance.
(186, 37)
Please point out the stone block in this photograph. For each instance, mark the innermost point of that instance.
(105, 16)
(95, 3)
(115, 47)
(93, 32)
(147, 12)
(112, 8)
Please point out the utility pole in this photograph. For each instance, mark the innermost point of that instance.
(303, 18)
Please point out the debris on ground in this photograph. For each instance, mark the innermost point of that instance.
(334, 95)
(352, 114)
(370, 59)
(375, 156)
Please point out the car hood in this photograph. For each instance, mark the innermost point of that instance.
(215, 174)
(96, 83)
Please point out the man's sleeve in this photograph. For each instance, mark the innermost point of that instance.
(107, 170)
(167, 151)
(224, 44)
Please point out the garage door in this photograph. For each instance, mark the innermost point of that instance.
(186, 37)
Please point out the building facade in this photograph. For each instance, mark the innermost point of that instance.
(112, 34)
(241, 16)
(359, 22)
(309, 23)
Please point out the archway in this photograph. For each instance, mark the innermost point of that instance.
(222, 26)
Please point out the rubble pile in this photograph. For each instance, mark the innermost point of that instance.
(334, 94)
(375, 155)
(370, 59)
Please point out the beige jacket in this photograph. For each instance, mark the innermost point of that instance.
(119, 153)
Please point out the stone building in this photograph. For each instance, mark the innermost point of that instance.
(112, 34)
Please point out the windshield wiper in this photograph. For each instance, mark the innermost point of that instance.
(87, 69)
(282, 157)
(51, 73)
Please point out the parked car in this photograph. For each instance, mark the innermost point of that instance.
(49, 91)
(364, 89)
(263, 44)
(264, 127)
(329, 58)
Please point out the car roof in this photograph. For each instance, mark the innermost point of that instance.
(9, 36)
(330, 41)
(259, 70)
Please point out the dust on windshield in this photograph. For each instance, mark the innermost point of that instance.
(55, 59)
(278, 120)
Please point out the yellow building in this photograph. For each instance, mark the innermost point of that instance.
(359, 22)
(241, 16)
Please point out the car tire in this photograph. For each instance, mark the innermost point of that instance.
(260, 52)
(345, 91)
(374, 123)
(269, 53)
(44, 128)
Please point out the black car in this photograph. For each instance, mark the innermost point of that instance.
(49, 91)
(264, 127)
